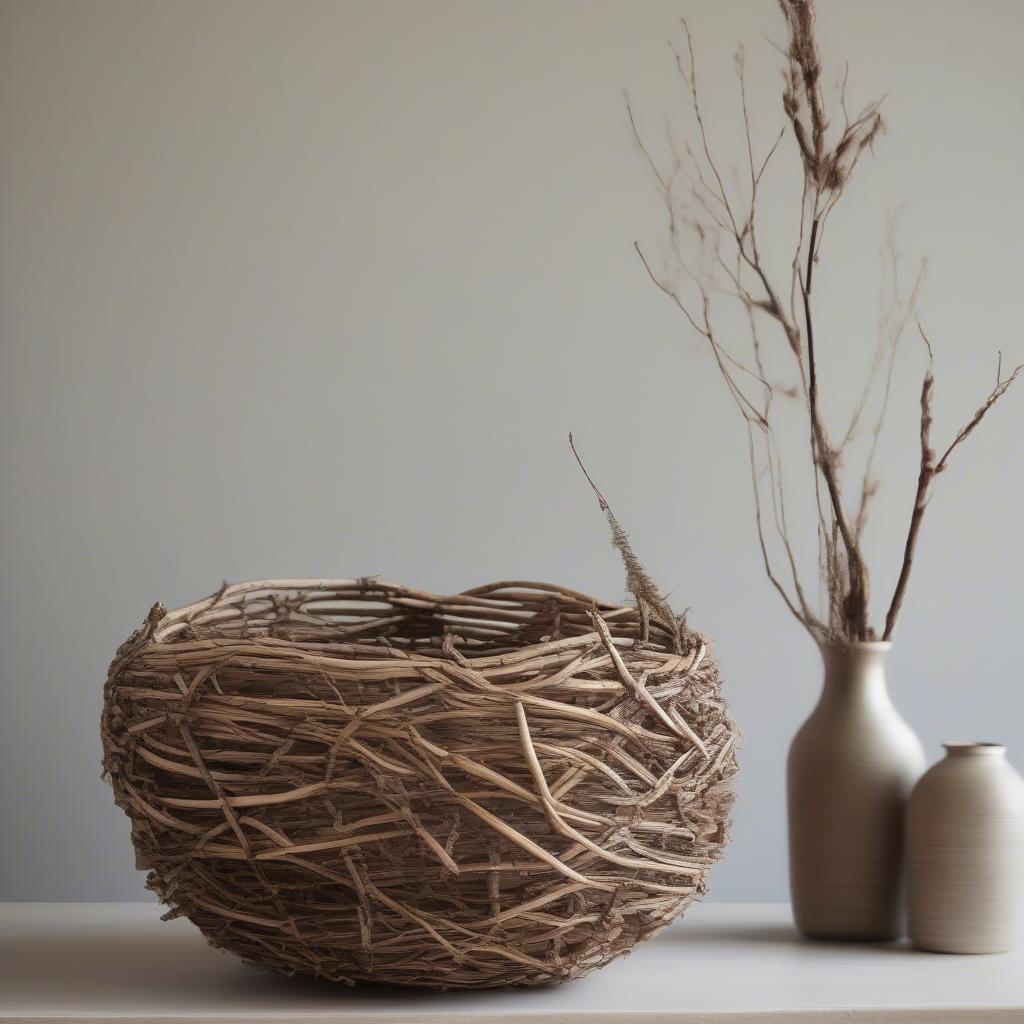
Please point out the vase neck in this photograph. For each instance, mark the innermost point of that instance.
(989, 751)
(855, 671)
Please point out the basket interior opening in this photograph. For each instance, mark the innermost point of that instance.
(480, 627)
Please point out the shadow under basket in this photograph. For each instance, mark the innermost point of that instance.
(368, 783)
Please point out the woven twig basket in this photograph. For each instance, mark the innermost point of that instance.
(365, 782)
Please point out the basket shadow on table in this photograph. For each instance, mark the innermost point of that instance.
(183, 963)
(175, 968)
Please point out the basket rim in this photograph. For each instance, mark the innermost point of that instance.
(501, 596)
(369, 585)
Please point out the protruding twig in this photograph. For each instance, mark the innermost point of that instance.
(650, 602)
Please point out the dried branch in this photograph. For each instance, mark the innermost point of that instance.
(930, 468)
(650, 602)
(890, 332)
(721, 222)
(1002, 386)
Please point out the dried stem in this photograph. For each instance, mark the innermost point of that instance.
(930, 468)
(650, 602)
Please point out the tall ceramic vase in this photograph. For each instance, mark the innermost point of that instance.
(850, 771)
(965, 852)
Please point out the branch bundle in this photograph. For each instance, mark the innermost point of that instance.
(714, 254)
(366, 782)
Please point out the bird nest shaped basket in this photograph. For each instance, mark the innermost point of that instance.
(368, 783)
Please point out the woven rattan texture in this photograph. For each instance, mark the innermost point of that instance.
(366, 782)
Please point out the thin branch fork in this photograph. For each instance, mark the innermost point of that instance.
(931, 467)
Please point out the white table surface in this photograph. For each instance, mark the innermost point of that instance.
(723, 963)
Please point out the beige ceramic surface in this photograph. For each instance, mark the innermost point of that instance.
(851, 768)
(965, 852)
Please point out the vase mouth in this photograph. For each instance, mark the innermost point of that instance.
(856, 646)
(967, 748)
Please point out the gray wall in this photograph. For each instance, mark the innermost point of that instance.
(319, 288)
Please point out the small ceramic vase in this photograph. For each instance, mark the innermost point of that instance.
(965, 852)
(850, 770)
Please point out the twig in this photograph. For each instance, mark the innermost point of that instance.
(930, 469)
